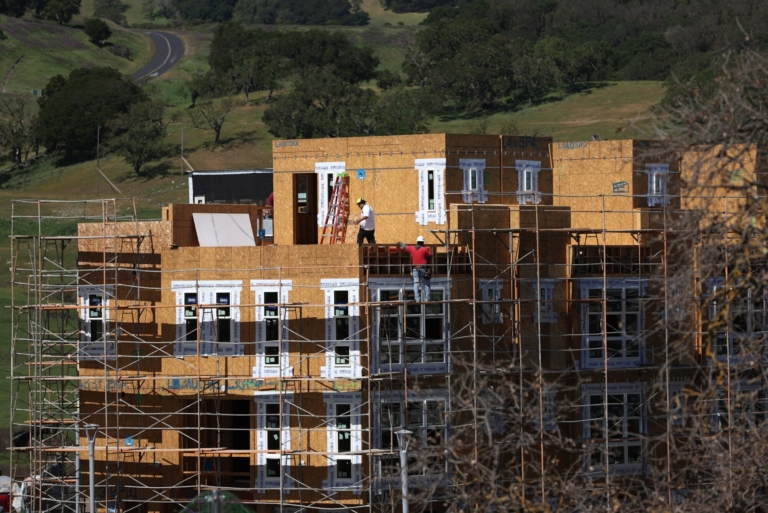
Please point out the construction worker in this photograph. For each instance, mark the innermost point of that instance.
(366, 222)
(420, 255)
(5, 497)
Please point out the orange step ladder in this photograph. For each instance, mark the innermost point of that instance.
(335, 225)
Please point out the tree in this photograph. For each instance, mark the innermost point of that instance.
(534, 73)
(313, 49)
(574, 62)
(97, 31)
(112, 10)
(73, 109)
(15, 8)
(139, 135)
(306, 12)
(321, 105)
(211, 115)
(400, 6)
(61, 11)
(206, 85)
(17, 128)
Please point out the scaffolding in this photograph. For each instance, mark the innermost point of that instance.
(513, 315)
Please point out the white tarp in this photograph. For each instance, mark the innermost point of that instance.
(223, 230)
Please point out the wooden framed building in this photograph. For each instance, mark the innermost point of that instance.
(281, 371)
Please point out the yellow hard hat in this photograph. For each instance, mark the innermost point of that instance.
(360, 200)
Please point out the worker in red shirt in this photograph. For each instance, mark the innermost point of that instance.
(5, 497)
(420, 255)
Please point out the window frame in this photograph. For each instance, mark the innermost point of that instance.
(262, 288)
(657, 184)
(104, 347)
(387, 467)
(332, 290)
(324, 171)
(476, 167)
(265, 482)
(731, 336)
(434, 213)
(587, 284)
(353, 483)
(403, 290)
(207, 292)
(492, 290)
(740, 388)
(543, 310)
(627, 440)
(528, 193)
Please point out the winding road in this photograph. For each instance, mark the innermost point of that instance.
(169, 50)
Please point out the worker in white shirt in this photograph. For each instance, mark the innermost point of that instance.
(366, 222)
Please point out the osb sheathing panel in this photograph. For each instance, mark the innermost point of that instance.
(155, 236)
(715, 181)
(586, 175)
(488, 246)
(500, 153)
(305, 266)
(391, 183)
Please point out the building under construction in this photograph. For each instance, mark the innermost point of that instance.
(566, 332)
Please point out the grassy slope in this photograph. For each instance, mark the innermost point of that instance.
(51, 49)
(132, 15)
(615, 110)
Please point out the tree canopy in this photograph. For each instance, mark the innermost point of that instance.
(112, 10)
(75, 108)
(97, 31)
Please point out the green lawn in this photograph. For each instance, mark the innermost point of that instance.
(47, 49)
(614, 110)
(132, 15)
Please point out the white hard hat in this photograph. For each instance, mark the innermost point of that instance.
(419, 239)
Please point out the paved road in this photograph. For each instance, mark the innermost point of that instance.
(168, 52)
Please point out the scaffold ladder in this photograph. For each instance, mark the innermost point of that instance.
(335, 226)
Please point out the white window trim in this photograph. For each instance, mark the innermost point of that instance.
(416, 369)
(525, 195)
(477, 194)
(206, 291)
(657, 198)
(323, 169)
(264, 483)
(330, 370)
(259, 288)
(491, 290)
(614, 389)
(711, 285)
(424, 216)
(398, 396)
(96, 350)
(332, 482)
(543, 307)
(585, 286)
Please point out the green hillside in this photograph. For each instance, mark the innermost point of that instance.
(47, 49)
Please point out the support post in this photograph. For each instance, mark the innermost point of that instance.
(90, 433)
(403, 437)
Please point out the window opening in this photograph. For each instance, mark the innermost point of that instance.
(624, 430)
(190, 316)
(344, 427)
(96, 316)
(430, 190)
(223, 319)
